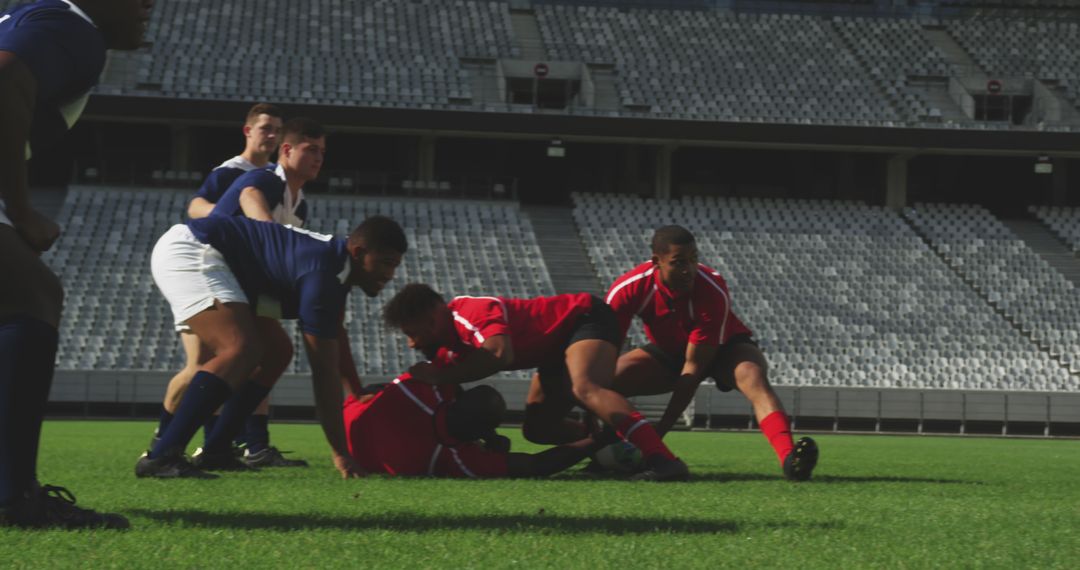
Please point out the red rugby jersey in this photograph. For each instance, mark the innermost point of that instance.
(401, 431)
(672, 320)
(538, 328)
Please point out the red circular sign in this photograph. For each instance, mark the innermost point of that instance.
(541, 69)
(993, 86)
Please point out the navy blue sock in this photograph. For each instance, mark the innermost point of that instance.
(257, 433)
(208, 428)
(202, 397)
(27, 359)
(163, 422)
(234, 414)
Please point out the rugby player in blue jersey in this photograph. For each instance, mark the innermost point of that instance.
(208, 270)
(280, 198)
(51, 54)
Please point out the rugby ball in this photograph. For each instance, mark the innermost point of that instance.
(620, 456)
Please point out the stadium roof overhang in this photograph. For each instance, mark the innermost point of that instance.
(611, 130)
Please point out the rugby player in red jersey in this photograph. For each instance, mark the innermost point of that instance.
(409, 427)
(571, 339)
(694, 334)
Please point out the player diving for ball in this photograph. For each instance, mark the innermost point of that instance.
(409, 427)
(570, 339)
(210, 269)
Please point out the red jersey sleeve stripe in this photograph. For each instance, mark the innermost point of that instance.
(417, 401)
(615, 290)
(465, 323)
(461, 464)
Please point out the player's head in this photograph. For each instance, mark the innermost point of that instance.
(675, 255)
(303, 146)
(122, 22)
(262, 130)
(375, 248)
(475, 413)
(421, 314)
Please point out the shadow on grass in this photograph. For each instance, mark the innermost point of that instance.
(416, 522)
(741, 477)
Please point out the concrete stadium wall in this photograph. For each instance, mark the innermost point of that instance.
(136, 393)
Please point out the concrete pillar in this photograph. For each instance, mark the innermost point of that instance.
(181, 148)
(662, 186)
(426, 158)
(896, 181)
(1060, 196)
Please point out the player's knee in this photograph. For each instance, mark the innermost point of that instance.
(586, 392)
(750, 378)
(244, 352)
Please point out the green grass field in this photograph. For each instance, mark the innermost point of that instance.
(876, 501)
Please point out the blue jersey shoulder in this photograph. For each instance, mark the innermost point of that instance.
(265, 179)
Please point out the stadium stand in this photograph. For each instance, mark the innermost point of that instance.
(1063, 221)
(838, 293)
(1026, 289)
(115, 319)
(678, 63)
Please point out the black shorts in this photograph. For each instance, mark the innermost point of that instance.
(675, 363)
(599, 323)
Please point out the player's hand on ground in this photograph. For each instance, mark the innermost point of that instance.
(36, 230)
(348, 468)
(498, 444)
(425, 372)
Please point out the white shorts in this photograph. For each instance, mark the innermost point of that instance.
(192, 275)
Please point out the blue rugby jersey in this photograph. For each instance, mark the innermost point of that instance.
(221, 177)
(303, 270)
(271, 182)
(65, 52)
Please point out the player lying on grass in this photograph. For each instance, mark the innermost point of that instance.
(694, 334)
(262, 131)
(409, 427)
(570, 339)
(51, 54)
(208, 270)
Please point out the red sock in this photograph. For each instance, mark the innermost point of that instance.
(777, 429)
(640, 432)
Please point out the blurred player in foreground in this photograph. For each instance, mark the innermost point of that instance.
(409, 427)
(686, 309)
(51, 54)
(570, 339)
(209, 268)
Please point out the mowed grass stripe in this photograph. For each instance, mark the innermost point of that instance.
(876, 501)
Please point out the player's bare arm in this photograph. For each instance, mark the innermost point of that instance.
(199, 208)
(350, 378)
(698, 359)
(325, 377)
(17, 91)
(253, 203)
(494, 355)
(551, 461)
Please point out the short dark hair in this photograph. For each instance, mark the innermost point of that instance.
(262, 109)
(475, 413)
(414, 302)
(668, 236)
(299, 128)
(379, 233)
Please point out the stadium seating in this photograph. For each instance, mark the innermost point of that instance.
(838, 293)
(115, 318)
(1034, 296)
(1063, 221)
(694, 64)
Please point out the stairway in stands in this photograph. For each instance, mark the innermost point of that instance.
(1039, 238)
(565, 257)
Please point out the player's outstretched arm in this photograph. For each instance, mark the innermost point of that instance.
(254, 205)
(199, 208)
(550, 461)
(325, 376)
(18, 88)
(698, 359)
(497, 353)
